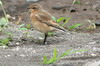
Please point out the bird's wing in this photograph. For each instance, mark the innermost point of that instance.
(44, 16)
(47, 19)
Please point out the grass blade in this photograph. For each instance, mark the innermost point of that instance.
(3, 22)
(23, 29)
(74, 26)
(22, 25)
(66, 21)
(54, 58)
(77, 2)
(55, 53)
(44, 59)
(64, 54)
(76, 51)
(60, 19)
(69, 52)
(3, 10)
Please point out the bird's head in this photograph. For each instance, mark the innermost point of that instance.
(35, 8)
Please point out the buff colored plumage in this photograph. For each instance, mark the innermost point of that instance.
(42, 20)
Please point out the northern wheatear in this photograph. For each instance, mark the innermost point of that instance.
(42, 20)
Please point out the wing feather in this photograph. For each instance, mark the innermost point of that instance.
(47, 19)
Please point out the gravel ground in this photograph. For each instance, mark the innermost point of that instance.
(30, 53)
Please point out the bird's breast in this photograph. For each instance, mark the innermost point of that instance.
(41, 26)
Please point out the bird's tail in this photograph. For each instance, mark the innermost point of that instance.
(55, 26)
(60, 28)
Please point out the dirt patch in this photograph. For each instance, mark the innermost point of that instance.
(30, 53)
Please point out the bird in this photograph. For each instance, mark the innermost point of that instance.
(42, 20)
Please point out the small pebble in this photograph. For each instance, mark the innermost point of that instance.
(59, 7)
(4, 47)
(97, 23)
(87, 3)
(33, 0)
(17, 43)
(8, 55)
(5, 56)
(92, 42)
(16, 49)
(22, 55)
(93, 55)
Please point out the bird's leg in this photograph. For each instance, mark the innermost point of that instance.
(46, 35)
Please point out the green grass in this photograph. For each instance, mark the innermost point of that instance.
(24, 27)
(3, 10)
(77, 2)
(5, 41)
(60, 19)
(74, 26)
(3, 20)
(51, 34)
(65, 21)
(28, 26)
(56, 57)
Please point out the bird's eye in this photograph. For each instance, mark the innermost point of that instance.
(34, 8)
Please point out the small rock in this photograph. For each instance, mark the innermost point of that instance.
(32, 0)
(16, 49)
(8, 55)
(93, 55)
(5, 56)
(4, 47)
(93, 63)
(87, 3)
(92, 42)
(22, 55)
(17, 43)
(97, 23)
(96, 6)
(59, 7)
